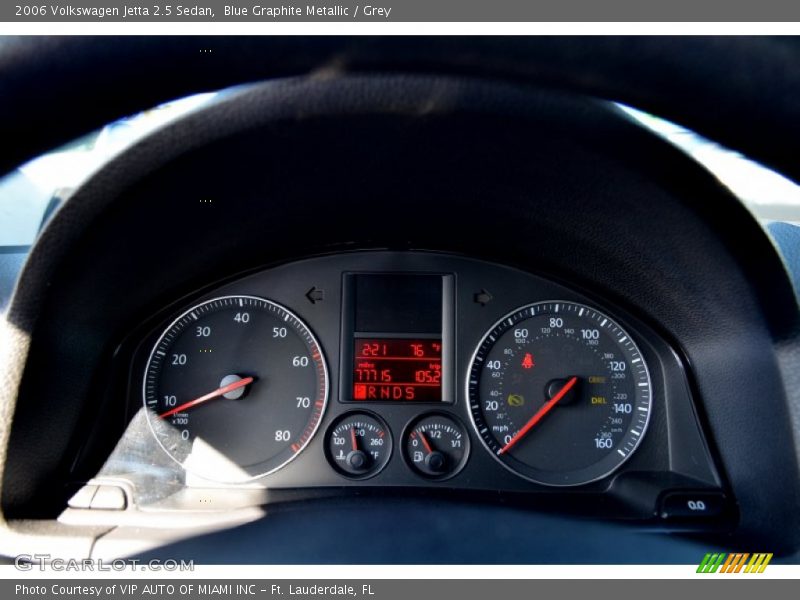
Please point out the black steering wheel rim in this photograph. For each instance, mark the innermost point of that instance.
(739, 91)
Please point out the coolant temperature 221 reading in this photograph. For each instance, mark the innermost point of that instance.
(559, 393)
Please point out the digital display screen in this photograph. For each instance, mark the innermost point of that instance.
(398, 303)
(397, 370)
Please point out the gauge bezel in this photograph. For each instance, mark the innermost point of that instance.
(314, 430)
(471, 408)
(338, 421)
(414, 422)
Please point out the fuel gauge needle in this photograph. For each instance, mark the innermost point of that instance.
(210, 396)
(425, 442)
(546, 408)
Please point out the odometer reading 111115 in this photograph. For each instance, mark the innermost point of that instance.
(559, 393)
(397, 370)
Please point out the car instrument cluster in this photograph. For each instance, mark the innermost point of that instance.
(385, 370)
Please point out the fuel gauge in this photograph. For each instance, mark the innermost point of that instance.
(436, 446)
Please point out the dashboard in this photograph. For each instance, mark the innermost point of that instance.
(484, 309)
(410, 371)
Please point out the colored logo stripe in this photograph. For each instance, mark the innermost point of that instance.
(710, 563)
(734, 562)
(758, 563)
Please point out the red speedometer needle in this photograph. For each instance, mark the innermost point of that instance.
(210, 396)
(548, 406)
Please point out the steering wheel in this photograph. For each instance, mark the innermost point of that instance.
(740, 92)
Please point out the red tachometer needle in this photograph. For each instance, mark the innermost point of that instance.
(425, 442)
(215, 394)
(548, 406)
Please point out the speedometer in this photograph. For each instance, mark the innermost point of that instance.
(235, 388)
(559, 393)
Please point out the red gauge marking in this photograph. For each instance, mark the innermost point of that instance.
(210, 396)
(353, 438)
(548, 406)
(425, 442)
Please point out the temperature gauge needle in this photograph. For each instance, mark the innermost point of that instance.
(210, 396)
(548, 406)
(353, 439)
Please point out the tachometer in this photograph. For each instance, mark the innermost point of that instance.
(559, 393)
(235, 388)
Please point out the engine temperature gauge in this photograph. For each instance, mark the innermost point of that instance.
(436, 446)
(359, 445)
